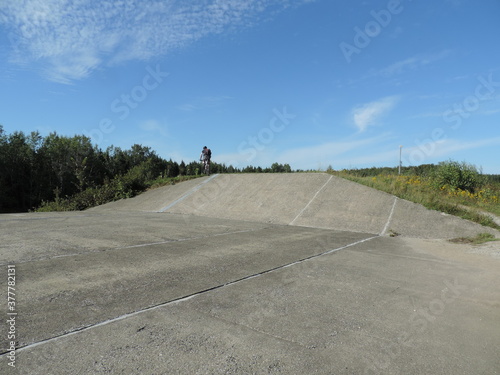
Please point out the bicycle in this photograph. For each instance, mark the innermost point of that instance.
(206, 167)
(205, 157)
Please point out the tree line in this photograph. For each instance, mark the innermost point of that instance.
(35, 170)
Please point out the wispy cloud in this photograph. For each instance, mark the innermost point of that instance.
(374, 151)
(411, 63)
(367, 114)
(153, 126)
(385, 158)
(396, 70)
(316, 156)
(330, 150)
(68, 40)
(443, 148)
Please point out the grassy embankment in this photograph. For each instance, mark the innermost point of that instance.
(454, 188)
(120, 188)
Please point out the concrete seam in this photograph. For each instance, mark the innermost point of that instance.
(184, 298)
(328, 252)
(308, 204)
(132, 246)
(256, 330)
(196, 188)
(189, 238)
(20, 218)
(389, 219)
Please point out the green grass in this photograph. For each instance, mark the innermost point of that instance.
(478, 240)
(423, 190)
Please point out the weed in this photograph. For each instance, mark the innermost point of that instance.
(454, 188)
(393, 233)
(478, 240)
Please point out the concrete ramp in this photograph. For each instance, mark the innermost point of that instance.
(346, 205)
(154, 200)
(315, 200)
(194, 278)
(271, 198)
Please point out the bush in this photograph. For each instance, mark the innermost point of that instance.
(135, 180)
(122, 186)
(457, 175)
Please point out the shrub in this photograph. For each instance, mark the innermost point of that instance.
(135, 180)
(122, 186)
(457, 175)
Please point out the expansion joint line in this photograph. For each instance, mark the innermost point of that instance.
(313, 198)
(389, 219)
(132, 246)
(187, 297)
(196, 188)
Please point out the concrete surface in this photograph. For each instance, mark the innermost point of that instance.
(250, 274)
(315, 200)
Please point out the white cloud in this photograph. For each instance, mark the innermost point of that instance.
(399, 66)
(412, 63)
(376, 151)
(356, 153)
(313, 157)
(443, 148)
(339, 153)
(326, 150)
(68, 40)
(367, 114)
(153, 126)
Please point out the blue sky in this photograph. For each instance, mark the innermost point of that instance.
(304, 82)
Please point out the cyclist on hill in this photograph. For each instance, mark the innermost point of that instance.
(205, 156)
